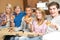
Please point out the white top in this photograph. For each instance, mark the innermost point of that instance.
(56, 20)
(52, 36)
(55, 35)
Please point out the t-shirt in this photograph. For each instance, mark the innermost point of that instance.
(52, 36)
(56, 20)
(39, 28)
(2, 18)
(55, 35)
(18, 19)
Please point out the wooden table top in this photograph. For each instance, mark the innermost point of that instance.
(7, 31)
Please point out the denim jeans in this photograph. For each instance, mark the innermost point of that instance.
(18, 38)
(35, 38)
(4, 26)
(23, 38)
(26, 38)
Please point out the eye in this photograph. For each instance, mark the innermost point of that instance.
(53, 8)
(50, 9)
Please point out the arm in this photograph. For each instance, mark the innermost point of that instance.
(54, 26)
(22, 24)
(31, 27)
(4, 22)
(12, 21)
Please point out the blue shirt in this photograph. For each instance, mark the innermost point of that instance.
(18, 19)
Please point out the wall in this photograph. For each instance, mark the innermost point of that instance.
(21, 3)
(13, 2)
(55, 1)
(34, 2)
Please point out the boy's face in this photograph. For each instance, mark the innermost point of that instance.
(53, 10)
(28, 11)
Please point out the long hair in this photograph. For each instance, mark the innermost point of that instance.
(43, 16)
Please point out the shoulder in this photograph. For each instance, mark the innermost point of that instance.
(34, 21)
(45, 21)
(23, 12)
(23, 17)
(58, 17)
(12, 15)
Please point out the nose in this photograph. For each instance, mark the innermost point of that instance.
(52, 10)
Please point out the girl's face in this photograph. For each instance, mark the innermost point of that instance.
(38, 14)
(8, 9)
(17, 10)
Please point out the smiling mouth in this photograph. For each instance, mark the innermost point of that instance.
(51, 13)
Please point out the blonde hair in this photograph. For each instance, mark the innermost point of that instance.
(9, 5)
(43, 16)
